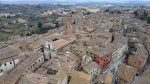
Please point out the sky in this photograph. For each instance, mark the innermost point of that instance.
(75, 0)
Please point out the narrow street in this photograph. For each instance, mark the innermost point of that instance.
(115, 65)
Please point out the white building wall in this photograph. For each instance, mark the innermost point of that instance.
(8, 65)
(65, 81)
(119, 53)
(94, 71)
(46, 54)
(17, 61)
(49, 54)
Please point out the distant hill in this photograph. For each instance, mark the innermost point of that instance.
(38, 1)
(82, 1)
(74, 1)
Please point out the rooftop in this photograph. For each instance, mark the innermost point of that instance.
(141, 80)
(54, 64)
(106, 78)
(126, 72)
(14, 74)
(34, 79)
(63, 42)
(61, 75)
(80, 78)
(146, 74)
(34, 45)
(90, 65)
(53, 79)
(9, 52)
(99, 51)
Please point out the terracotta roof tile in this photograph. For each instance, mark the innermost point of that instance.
(126, 72)
(80, 78)
(141, 80)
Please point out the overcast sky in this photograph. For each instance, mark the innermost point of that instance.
(78, 0)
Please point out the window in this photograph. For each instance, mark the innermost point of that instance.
(5, 64)
(39, 60)
(28, 68)
(10, 62)
(33, 64)
(31, 67)
(1, 70)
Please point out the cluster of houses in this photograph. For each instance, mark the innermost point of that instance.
(62, 57)
(74, 54)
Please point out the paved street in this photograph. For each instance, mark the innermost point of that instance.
(112, 66)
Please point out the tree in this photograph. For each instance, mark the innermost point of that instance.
(72, 12)
(21, 34)
(119, 12)
(88, 13)
(107, 10)
(148, 21)
(39, 24)
(136, 13)
(8, 16)
(30, 26)
(27, 34)
(142, 18)
(57, 24)
(32, 32)
(74, 22)
(145, 14)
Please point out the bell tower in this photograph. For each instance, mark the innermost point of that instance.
(115, 21)
(68, 30)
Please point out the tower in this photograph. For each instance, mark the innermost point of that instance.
(68, 30)
(115, 21)
(142, 10)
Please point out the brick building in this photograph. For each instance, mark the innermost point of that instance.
(102, 56)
